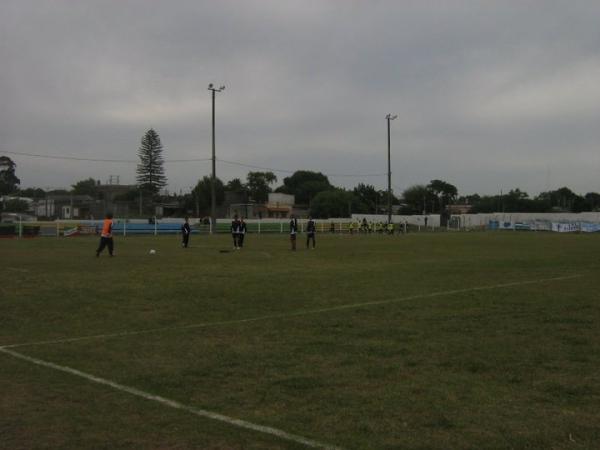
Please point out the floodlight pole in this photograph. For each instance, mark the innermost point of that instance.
(213, 194)
(389, 118)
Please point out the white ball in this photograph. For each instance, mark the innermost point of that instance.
(152, 252)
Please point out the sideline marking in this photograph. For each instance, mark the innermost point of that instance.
(176, 405)
(293, 314)
(17, 269)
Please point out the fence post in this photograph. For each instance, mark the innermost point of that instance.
(125, 228)
(20, 227)
(57, 229)
(155, 227)
(280, 226)
(259, 220)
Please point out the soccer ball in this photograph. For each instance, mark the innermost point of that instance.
(152, 251)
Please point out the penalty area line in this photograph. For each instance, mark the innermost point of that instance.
(296, 313)
(174, 404)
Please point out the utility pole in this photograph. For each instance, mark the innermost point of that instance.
(389, 118)
(213, 194)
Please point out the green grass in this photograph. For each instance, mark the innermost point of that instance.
(509, 367)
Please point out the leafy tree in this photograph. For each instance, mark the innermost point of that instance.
(201, 193)
(566, 197)
(519, 201)
(332, 203)
(443, 191)
(86, 187)
(592, 200)
(563, 199)
(470, 199)
(579, 204)
(487, 204)
(236, 186)
(419, 198)
(258, 185)
(369, 198)
(150, 171)
(16, 205)
(34, 193)
(8, 179)
(304, 185)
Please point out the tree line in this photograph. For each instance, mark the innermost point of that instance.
(311, 189)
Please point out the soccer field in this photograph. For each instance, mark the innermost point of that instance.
(431, 340)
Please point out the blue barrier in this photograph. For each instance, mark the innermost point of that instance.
(143, 228)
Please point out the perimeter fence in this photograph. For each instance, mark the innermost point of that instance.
(170, 226)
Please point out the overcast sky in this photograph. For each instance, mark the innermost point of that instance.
(490, 95)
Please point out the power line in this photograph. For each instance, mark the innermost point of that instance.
(168, 161)
(250, 166)
(76, 158)
(356, 174)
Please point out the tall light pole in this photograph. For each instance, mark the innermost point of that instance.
(213, 193)
(389, 118)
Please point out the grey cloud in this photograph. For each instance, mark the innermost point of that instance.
(490, 95)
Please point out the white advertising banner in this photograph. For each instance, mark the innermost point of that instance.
(562, 227)
(587, 227)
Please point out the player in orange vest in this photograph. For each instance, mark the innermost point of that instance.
(106, 239)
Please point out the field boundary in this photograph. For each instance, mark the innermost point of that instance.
(174, 404)
(293, 314)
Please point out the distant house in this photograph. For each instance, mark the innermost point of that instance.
(64, 206)
(279, 205)
(459, 209)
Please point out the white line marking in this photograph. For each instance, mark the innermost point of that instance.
(17, 269)
(293, 314)
(174, 404)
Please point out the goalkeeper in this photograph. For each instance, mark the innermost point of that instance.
(106, 238)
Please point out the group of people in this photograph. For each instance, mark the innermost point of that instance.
(376, 227)
(238, 232)
(311, 230)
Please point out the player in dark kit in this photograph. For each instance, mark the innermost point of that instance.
(311, 229)
(106, 239)
(242, 233)
(293, 231)
(235, 231)
(185, 233)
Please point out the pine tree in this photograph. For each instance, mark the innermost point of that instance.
(150, 171)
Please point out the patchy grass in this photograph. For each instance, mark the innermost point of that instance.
(508, 367)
